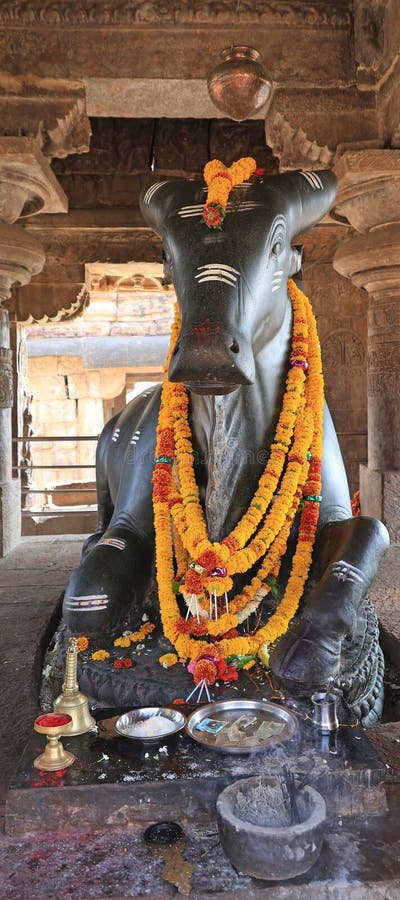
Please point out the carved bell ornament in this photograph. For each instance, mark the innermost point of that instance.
(240, 86)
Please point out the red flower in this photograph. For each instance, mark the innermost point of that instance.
(225, 672)
(213, 215)
(232, 633)
(122, 663)
(259, 171)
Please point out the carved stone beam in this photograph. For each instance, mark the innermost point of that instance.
(51, 110)
(369, 200)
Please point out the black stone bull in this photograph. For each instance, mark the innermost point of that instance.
(232, 355)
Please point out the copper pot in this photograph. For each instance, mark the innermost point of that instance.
(239, 86)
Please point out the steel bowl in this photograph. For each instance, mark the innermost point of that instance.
(125, 723)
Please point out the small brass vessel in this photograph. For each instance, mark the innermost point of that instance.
(72, 701)
(54, 756)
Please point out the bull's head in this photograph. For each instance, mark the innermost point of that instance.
(231, 284)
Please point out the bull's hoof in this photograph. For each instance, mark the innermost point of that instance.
(101, 590)
(305, 658)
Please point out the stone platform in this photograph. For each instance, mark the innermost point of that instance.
(117, 782)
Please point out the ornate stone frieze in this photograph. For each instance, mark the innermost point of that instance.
(6, 378)
(126, 12)
(292, 146)
(106, 278)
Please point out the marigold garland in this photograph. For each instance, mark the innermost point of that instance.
(202, 569)
(220, 180)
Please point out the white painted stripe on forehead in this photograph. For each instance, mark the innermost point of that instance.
(216, 278)
(218, 266)
(275, 288)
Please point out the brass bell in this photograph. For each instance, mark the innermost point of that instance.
(72, 701)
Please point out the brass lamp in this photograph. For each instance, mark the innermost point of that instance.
(72, 701)
(240, 86)
(54, 756)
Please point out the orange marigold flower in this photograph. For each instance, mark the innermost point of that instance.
(197, 629)
(100, 655)
(205, 669)
(209, 560)
(122, 642)
(82, 643)
(167, 660)
(182, 626)
(193, 582)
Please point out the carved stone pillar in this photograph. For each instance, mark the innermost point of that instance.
(369, 198)
(27, 185)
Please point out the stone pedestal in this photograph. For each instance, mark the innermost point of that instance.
(369, 198)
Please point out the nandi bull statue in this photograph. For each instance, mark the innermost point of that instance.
(230, 476)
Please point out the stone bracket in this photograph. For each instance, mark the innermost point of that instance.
(27, 183)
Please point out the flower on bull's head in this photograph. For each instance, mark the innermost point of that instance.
(213, 216)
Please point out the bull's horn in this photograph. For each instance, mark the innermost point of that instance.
(316, 192)
(163, 198)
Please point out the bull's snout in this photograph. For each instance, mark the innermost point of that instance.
(215, 363)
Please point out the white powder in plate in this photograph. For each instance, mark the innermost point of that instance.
(150, 727)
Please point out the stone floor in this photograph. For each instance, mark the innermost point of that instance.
(361, 857)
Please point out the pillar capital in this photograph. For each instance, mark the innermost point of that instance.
(369, 189)
(372, 261)
(21, 256)
(27, 183)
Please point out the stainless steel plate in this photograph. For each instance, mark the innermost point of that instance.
(241, 726)
(127, 724)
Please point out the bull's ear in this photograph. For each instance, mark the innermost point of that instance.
(315, 191)
(162, 199)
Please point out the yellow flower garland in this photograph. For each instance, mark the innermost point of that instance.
(292, 471)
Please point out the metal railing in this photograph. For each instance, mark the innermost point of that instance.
(29, 491)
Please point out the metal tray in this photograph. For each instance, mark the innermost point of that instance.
(241, 726)
(125, 722)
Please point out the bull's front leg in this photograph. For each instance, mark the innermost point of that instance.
(348, 554)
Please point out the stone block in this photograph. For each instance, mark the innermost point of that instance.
(42, 365)
(69, 365)
(54, 411)
(84, 384)
(51, 388)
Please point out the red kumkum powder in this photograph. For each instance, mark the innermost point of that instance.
(52, 720)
